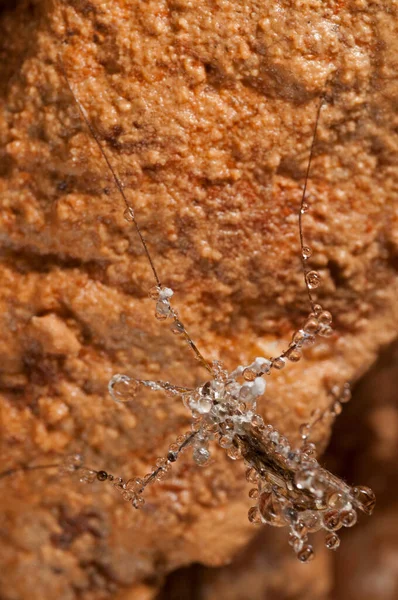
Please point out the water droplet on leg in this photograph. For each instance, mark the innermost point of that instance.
(129, 215)
(123, 388)
(313, 279)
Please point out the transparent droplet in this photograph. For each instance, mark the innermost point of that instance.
(309, 340)
(318, 486)
(225, 441)
(313, 279)
(348, 518)
(304, 208)
(271, 509)
(325, 317)
(71, 463)
(332, 541)
(234, 453)
(302, 479)
(306, 554)
(299, 337)
(254, 515)
(325, 331)
(201, 455)
(278, 363)
(311, 520)
(138, 502)
(257, 421)
(162, 311)
(331, 520)
(177, 327)
(311, 326)
(337, 408)
(306, 252)
(87, 475)
(123, 388)
(154, 292)
(293, 354)
(309, 448)
(129, 215)
(249, 374)
(252, 475)
(345, 395)
(304, 430)
(317, 308)
(290, 514)
(135, 485)
(365, 497)
(274, 437)
(297, 544)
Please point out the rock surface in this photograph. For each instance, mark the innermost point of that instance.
(206, 111)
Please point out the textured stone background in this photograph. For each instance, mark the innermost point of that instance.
(207, 110)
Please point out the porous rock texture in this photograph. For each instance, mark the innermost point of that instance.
(206, 110)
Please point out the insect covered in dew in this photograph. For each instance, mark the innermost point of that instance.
(290, 487)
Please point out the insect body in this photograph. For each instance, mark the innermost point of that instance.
(291, 488)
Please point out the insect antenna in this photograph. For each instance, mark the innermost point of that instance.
(161, 294)
(305, 250)
(25, 468)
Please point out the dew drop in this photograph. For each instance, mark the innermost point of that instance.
(87, 475)
(252, 475)
(154, 292)
(311, 326)
(304, 208)
(278, 363)
(366, 498)
(201, 455)
(123, 388)
(325, 331)
(337, 408)
(249, 374)
(332, 541)
(177, 327)
(299, 337)
(311, 520)
(313, 279)
(234, 453)
(293, 354)
(304, 430)
(348, 518)
(331, 520)
(271, 509)
(71, 463)
(306, 554)
(317, 308)
(162, 311)
(254, 515)
(129, 215)
(325, 317)
(306, 252)
(345, 394)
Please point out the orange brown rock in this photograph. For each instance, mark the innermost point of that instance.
(206, 111)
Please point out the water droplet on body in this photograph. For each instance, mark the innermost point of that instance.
(332, 541)
(271, 509)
